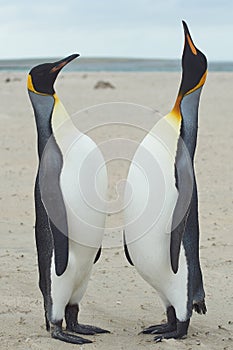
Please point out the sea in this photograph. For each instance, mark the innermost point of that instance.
(111, 65)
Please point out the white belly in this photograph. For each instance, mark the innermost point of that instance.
(83, 183)
(71, 286)
(84, 187)
(148, 218)
(153, 197)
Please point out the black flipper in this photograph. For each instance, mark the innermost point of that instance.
(51, 194)
(61, 249)
(126, 251)
(176, 238)
(184, 184)
(98, 255)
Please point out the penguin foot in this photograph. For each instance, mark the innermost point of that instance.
(85, 329)
(59, 334)
(179, 333)
(168, 327)
(160, 329)
(72, 325)
(170, 335)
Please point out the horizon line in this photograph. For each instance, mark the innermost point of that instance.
(108, 58)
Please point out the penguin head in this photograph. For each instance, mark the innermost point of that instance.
(194, 65)
(42, 78)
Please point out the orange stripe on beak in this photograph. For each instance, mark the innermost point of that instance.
(56, 68)
(192, 47)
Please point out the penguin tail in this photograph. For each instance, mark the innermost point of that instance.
(200, 307)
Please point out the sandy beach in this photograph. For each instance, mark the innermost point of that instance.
(117, 298)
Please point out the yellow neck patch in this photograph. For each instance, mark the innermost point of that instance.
(176, 109)
(56, 98)
(174, 117)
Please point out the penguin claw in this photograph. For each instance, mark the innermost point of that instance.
(160, 329)
(69, 338)
(170, 335)
(85, 329)
(179, 333)
(148, 330)
(158, 339)
(166, 328)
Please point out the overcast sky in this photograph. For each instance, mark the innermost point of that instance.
(120, 28)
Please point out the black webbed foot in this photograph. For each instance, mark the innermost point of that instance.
(168, 327)
(172, 329)
(59, 334)
(160, 329)
(85, 329)
(179, 333)
(72, 325)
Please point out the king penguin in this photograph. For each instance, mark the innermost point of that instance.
(161, 232)
(69, 219)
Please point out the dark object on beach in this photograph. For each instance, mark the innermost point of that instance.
(103, 85)
(7, 80)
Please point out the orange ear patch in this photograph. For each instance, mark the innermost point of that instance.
(192, 47)
(30, 84)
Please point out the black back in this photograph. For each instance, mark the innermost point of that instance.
(48, 180)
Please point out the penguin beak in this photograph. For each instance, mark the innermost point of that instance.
(60, 64)
(188, 39)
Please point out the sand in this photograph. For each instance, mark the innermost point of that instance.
(117, 298)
